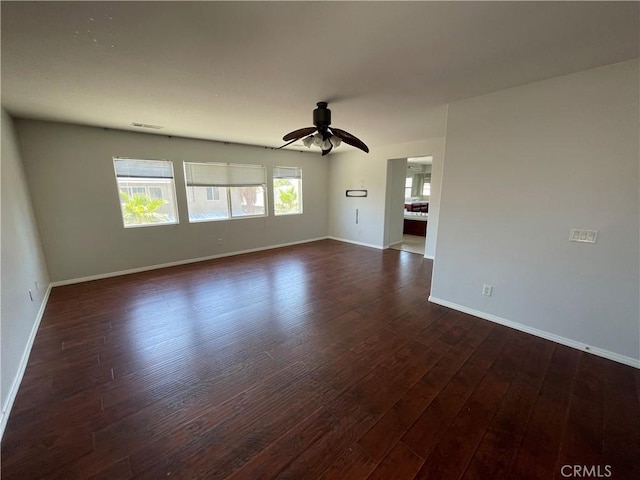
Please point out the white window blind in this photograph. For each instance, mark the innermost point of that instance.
(224, 175)
(132, 168)
(287, 172)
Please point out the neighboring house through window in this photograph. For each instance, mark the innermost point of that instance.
(155, 192)
(219, 191)
(213, 193)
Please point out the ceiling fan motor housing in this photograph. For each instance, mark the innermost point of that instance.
(322, 116)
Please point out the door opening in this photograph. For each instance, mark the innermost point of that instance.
(408, 194)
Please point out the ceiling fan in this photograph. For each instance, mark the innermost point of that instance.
(326, 137)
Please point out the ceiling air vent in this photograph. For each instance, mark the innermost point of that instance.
(146, 125)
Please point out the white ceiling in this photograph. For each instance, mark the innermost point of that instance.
(249, 72)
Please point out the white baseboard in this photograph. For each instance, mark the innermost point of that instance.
(176, 263)
(377, 247)
(430, 257)
(13, 391)
(616, 357)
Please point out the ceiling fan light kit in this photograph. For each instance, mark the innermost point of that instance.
(322, 135)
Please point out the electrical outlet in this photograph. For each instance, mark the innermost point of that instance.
(220, 241)
(487, 290)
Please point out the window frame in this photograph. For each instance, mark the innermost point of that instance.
(171, 181)
(299, 192)
(231, 168)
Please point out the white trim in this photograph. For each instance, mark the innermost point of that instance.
(616, 357)
(13, 390)
(179, 262)
(430, 257)
(378, 247)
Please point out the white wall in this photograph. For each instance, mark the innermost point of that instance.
(525, 165)
(354, 169)
(22, 264)
(435, 197)
(69, 169)
(394, 208)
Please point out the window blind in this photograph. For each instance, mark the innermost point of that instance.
(132, 168)
(224, 175)
(287, 172)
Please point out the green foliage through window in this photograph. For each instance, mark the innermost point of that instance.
(286, 196)
(139, 209)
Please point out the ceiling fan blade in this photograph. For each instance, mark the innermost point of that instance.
(349, 139)
(298, 134)
(288, 143)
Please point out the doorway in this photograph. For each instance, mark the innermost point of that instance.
(409, 191)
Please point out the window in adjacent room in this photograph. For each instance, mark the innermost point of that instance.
(147, 192)
(287, 190)
(408, 183)
(219, 191)
(426, 184)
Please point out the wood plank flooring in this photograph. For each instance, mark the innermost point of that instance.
(320, 361)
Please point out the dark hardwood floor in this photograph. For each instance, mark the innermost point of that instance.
(323, 360)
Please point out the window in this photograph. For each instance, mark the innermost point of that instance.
(219, 191)
(408, 183)
(155, 192)
(247, 201)
(287, 190)
(147, 191)
(213, 193)
(133, 190)
(426, 189)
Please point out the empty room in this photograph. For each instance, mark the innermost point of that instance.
(320, 240)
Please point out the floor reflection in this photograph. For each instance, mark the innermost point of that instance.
(410, 243)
